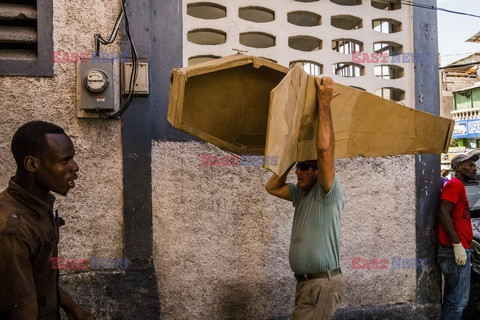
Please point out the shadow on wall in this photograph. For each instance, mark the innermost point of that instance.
(129, 294)
(240, 301)
(236, 300)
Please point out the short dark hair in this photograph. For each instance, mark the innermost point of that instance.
(310, 163)
(30, 139)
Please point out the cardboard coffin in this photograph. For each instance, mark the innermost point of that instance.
(249, 105)
(225, 101)
(364, 124)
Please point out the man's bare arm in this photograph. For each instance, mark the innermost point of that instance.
(446, 221)
(72, 309)
(276, 186)
(325, 136)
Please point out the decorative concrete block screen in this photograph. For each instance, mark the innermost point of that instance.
(321, 35)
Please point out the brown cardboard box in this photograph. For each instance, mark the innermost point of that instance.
(250, 105)
(225, 101)
(364, 124)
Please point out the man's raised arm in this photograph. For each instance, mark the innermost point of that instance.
(325, 139)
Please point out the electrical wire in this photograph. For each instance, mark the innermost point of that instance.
(425, 6)
(99, 39)
(133, 75)
(457, 54)
(419, 5)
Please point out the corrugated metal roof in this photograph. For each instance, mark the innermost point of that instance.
(474, 38)
(476, 85)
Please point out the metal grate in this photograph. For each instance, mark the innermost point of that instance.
(18, 30)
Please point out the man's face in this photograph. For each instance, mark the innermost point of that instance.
(467, 169)
(56, 168)
(307, 177)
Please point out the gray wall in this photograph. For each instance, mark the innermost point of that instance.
(221, 241)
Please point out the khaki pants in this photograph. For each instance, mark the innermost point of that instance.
(318, 299)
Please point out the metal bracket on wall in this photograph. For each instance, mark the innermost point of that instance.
(141, 83)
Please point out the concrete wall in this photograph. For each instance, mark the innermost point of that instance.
(221, 241)
(93, 210)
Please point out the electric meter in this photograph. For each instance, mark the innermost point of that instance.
(98, 91)
(96, 81)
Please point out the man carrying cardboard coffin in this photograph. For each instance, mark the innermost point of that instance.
(318, 200)
(455, 237)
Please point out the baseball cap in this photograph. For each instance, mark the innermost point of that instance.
(464, 157)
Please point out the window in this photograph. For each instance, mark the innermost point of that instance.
(346, 22)
(207, 36)
(392, 48)
(206, 10)
(309, 67)
(386, 25)
(26, 38)
(257, 39)
(386, 4)
(304, 18)
(304, 43)
(388, 72)
(348, 69)
(347, 2)
(394, 94)
(256, 14)
(347, 46)
(200, 59)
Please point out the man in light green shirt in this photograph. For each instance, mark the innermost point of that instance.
(318, 200)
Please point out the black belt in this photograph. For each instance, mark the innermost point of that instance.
(318, 275)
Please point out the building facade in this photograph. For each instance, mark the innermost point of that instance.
(466, 114)
(458, 81)
(350, 40)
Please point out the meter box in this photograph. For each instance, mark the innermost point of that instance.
(97, 87)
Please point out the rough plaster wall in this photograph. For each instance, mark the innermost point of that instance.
(378, 223)
(221, 242)
(93, 210)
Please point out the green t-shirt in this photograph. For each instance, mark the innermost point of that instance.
(316, 228)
